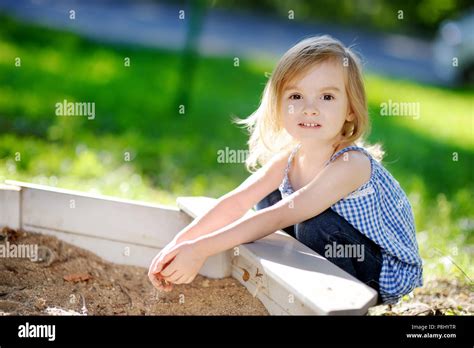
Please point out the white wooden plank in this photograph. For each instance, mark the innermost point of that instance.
(105, 225)
(322, 286)
(261, 293)
(265, 287)
(99, 216)
(246, 273)
(291, 270)
(10, 206)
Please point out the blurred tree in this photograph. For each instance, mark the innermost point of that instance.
(194, 17)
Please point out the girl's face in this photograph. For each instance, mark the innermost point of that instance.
(315, 104)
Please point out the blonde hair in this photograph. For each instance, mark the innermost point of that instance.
(267, 133)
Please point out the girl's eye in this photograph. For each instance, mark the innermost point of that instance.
(295, 97)
(328, 97)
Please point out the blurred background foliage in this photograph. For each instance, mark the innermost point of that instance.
(422, 17)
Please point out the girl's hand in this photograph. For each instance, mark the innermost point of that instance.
(157, 279)
(180, 264)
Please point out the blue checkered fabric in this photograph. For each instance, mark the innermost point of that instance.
(381, 211)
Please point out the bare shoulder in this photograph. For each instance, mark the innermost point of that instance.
(355, 164)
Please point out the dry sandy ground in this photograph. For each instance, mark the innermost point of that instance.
(71, 280)
(442, 296)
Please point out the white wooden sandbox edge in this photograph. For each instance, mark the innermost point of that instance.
(118, 230)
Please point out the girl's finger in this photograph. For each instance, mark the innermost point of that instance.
(156, 281)
(168, 271)
(175, 279)
(165, 259)
(167, 285)
(154, 262)
(164, 267)
(152, 278)
(157, 285)
(189, 280)
(151, 271)
(181, 280)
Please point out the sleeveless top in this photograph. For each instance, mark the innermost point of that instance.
(380, 210)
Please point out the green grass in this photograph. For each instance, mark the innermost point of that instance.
(174, 154)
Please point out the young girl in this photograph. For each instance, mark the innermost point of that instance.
(312, 180)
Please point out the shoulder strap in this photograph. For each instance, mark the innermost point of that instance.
(290, 158)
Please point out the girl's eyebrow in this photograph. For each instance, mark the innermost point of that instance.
(330, 88)
(326, 88)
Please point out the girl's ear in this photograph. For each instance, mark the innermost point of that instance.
(350, 116)
(350, 113)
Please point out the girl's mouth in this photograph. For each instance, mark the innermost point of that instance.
(309, 125)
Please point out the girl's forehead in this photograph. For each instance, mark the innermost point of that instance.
(323, 73)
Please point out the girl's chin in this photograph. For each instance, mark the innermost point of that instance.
(310, 136)
(309, 133)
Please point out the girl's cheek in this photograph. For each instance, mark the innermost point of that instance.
(293, 108)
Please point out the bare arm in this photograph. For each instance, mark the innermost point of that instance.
(236, 203)
(334, 182)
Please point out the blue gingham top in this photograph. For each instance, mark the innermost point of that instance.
(381, 211)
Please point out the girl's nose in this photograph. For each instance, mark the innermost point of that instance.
(310, 110)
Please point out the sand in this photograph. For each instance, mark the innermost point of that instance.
(72, 281)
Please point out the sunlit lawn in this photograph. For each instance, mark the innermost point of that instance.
(175, 154)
